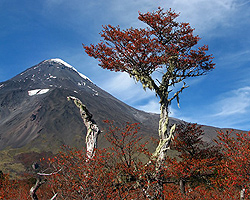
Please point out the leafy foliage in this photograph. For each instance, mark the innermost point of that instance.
(197, 160)
(165, 44)
(20, 189)
(235, 168)
(210, 172)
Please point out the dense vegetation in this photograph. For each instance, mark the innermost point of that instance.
(199, 171)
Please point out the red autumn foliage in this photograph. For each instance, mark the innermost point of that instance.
(147, 49)
(20, 189)
(114, 173)
(196, 161)
(119, 172)
(165, 44)
(235, 168)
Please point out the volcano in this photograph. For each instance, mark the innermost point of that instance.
(35, 113)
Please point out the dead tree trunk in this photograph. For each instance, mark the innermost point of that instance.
(182, 186)
(38, 183)
(242, 194)
(92, 128)
(34, 188)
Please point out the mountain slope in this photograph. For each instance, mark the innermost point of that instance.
(34, 108)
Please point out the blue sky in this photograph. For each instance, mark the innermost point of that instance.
(33, 31)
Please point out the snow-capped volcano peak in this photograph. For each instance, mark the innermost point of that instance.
(61, 62)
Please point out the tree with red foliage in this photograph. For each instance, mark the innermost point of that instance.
(166, 46)
(114, 173)
(20, 189)
(235, 168)
(196, 161)
(119, 173)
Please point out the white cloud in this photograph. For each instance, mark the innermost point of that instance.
(235, 102)
(237, 56)
(152, 106)
(125, 88)
(205, 15)
(232, 110)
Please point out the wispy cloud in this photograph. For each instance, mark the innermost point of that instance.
(239, 55)
(233, 103)
(152, 106)
(232, 110)
(126, 89)
(228, 110)
(204, 15)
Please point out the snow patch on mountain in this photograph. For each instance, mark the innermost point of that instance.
(81, 84)
(50, 76)
(95, 92)
(61, 62)
(37, 92)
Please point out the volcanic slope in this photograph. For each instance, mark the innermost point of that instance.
(34, 110)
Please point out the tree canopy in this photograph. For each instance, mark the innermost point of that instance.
(165, 44)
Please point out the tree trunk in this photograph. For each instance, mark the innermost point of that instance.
(182, 186)
(242, 194)
(165, 135)
(38, 183)
(92, 128)
(164, 144)
(35, 188)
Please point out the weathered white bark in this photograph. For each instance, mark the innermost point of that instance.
(242, 194)
(92, 128)
(165, 135)
(34, 188)
(39, 182)
(182, 186)
(54, 197)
